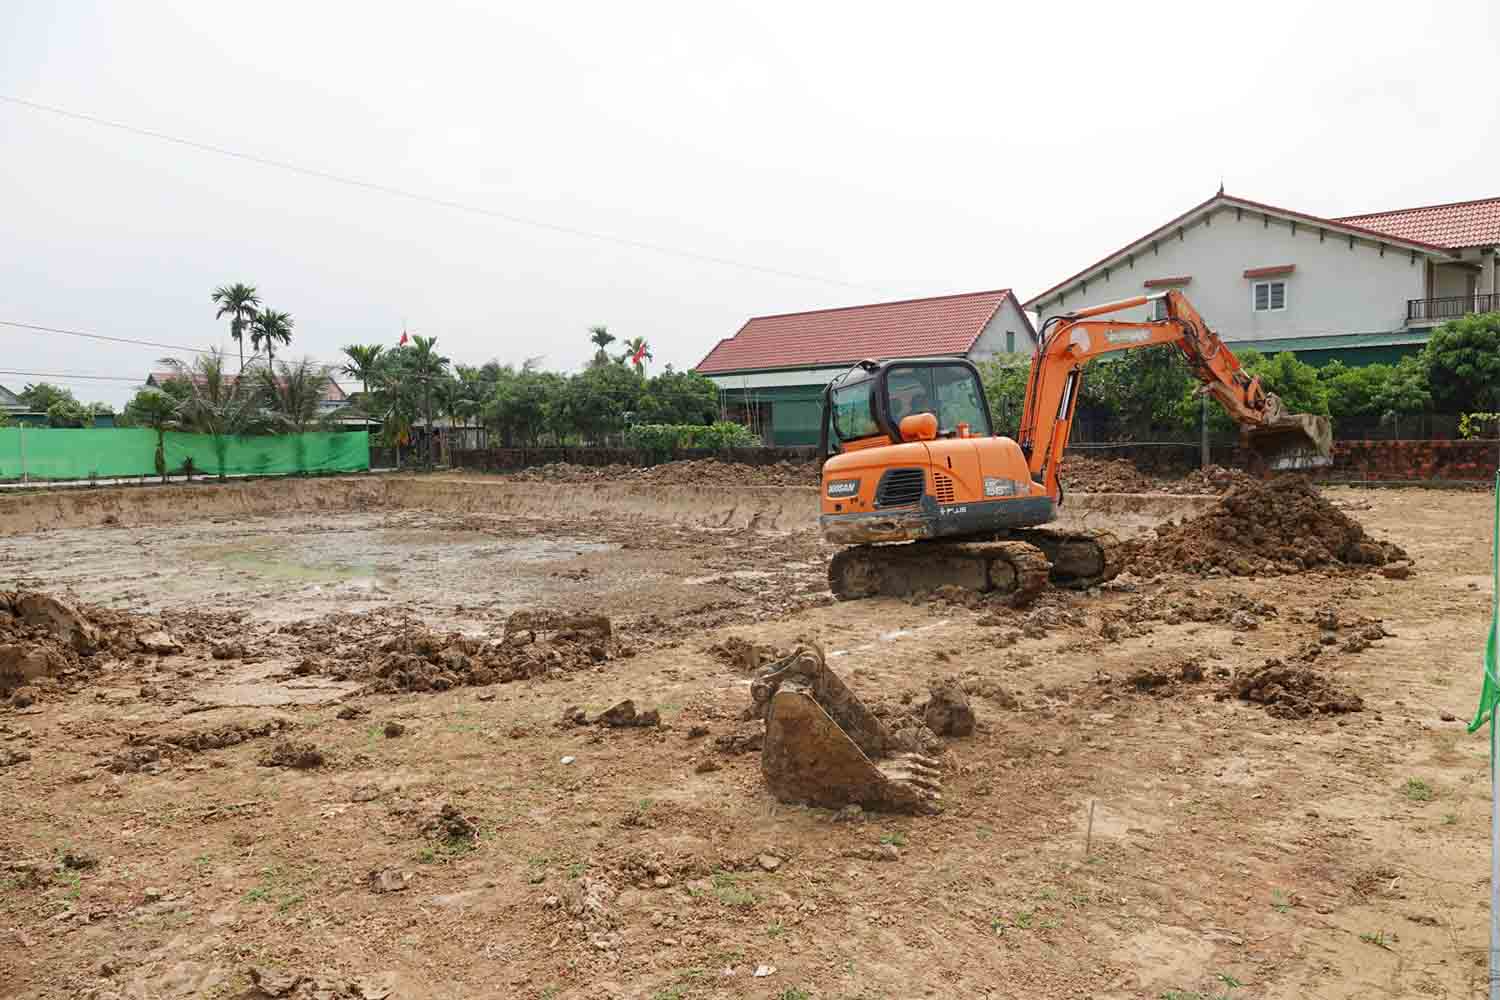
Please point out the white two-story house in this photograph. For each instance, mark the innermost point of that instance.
(1360, 288)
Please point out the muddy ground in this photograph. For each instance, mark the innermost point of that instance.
(180, 825)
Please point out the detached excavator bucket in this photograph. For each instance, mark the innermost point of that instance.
(824, 747)
(1290, 441)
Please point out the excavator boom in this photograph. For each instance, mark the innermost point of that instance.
(1284, 440)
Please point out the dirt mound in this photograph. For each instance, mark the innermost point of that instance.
(690, 472)
(1290, 692)
(1266, 528)
(45, 638)
(1118, 475)
(534, 643)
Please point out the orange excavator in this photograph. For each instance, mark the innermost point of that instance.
(911, 457)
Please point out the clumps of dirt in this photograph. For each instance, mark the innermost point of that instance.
(219, 737)
(948, 712)
(1118, 475)
(624, 715)
(276, 984)
(47, 639)
(1269, 528)
(742, 654)
(688, 472)
(287, 753)
(1144, 612)
(450, 825)
(1291, 692)
(1165, 681)
(535, 643)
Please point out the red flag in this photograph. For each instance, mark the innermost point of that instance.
(640, 352)
(403, 339)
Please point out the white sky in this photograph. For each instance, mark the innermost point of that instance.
(907, 149)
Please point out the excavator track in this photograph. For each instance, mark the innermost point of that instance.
(1010, 567)
(1078, 559)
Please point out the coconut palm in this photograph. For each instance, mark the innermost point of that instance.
(602, 338)
(364, 359)
(270, 327)
(637, 353)
(215, 403)
(293, 392)
(429, 367)
(238, 301)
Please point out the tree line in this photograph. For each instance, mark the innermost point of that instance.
(1149, 392)
(523, 405)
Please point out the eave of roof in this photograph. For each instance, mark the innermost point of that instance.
(1234, 201)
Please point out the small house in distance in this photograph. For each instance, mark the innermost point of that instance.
(772, 372)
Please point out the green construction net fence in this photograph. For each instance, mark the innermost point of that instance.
(33, 453)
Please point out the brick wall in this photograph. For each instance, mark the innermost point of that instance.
(1387, 460)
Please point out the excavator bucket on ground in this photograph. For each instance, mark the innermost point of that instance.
(1290, 441)
(823, 747)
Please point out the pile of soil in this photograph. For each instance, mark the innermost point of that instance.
(535, 643)
(691, 472)
(1261, 528)
(1290, 692)
(46, 639)
(1118, 475)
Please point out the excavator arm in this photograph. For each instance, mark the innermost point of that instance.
(1285, 440)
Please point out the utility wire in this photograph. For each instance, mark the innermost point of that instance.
(418, 196)
(99, 336)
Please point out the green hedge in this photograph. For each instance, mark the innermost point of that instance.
(666, 439)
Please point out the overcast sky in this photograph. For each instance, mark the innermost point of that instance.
(884, 151)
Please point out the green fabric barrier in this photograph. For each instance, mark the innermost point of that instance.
(105, 453)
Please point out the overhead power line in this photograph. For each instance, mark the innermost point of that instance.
(99, 336)
(418, 196)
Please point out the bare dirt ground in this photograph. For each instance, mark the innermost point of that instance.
(311, 805)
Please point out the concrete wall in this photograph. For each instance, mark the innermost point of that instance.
(993, 339)
(1334, 289)
(1448, 279)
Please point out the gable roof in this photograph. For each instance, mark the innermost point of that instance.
(9, 400)
(1457, 224)
(1232, 201)
(940, 325)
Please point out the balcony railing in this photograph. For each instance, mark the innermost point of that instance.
(1437, 310)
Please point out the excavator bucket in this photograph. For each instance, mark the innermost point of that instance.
(1291, 441)
(823, 747)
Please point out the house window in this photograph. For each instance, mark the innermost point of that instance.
(1010, 341)
(1270, 296)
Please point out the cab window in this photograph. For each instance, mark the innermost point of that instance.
(949, 392)
(853, 416)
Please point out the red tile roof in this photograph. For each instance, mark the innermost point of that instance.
(1458, 224)
(941, 325)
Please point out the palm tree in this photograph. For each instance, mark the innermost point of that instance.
(637, 353)
(294, 392)
(238, 301)
(364, 359)
(215, 403)
(602, 338)
(428, 366)
(270, 327)
(158, 411)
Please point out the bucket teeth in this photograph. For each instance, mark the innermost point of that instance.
(824, 747)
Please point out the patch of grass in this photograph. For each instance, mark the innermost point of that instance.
(898, 838)
(670, 993)
(1378, 939)
(729, 892)
(1228, 980)
(426, 856)
(984, 833)
(287, 902)
(775, 930)
(793, 993)
(1449, 819)
(259, 894)
(1280, 901)
(576, 869)
(1417, 790)
(1024, 918)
